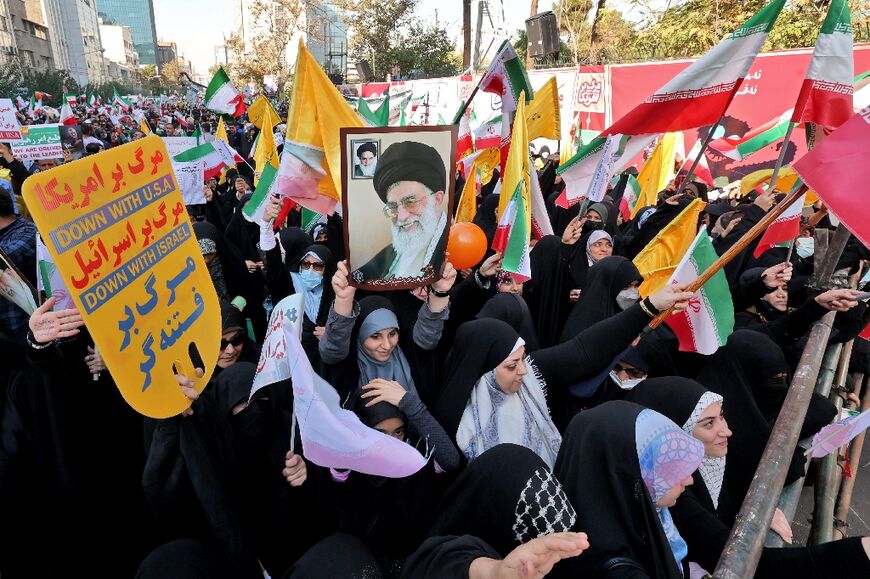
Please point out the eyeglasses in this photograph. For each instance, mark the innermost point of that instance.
(237, 340)
(409, 204)
(631, 372)
(316, 266)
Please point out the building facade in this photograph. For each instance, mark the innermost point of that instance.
(32, 38)
(138, 15)
(75, 38)
(122, 60)
(8, 50)
(166, 52)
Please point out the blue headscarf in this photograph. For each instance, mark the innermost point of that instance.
(396, 366)
(667, 455)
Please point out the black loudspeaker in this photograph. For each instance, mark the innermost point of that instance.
(543, 35)
(364, 70)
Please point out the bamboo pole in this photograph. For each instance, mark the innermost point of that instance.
(738, 247)
(743, 550)
(825, 490)
(844, 501)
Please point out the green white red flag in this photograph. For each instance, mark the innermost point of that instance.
(739, 148)
(507, 77)
(701, 93)
(785, 228)
(216, 156)
(488, 134)
(254, 208)
(838, 170)
(512, 238)
(708, 321)
(222, 97)
(826, 94)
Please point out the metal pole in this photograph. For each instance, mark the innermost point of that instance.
(825, 490)
(743, 550)
(844, 501)
(823, 274)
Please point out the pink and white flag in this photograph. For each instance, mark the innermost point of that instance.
(332, 437)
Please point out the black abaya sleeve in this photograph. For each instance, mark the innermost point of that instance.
(447, 557)
(706, 537)
(590, 351)
(278, 280)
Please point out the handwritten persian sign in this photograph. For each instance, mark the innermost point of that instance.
(190, 175)
(116, 226)
(39, 142)
(10, 129)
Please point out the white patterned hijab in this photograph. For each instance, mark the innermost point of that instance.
(712, 468)
(493, 417)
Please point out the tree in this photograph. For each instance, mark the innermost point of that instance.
(424, 50)
(375, 29)
(607, 38)
(274, 24)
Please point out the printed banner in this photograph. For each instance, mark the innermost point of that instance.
(10, 128)
(118, 232)
(39, 142)
(190, 175)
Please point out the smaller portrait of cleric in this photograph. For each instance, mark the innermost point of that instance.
(365, 159)
(398, 225)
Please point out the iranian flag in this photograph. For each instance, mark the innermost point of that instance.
(119, 100)
(464, 141)
(701, 93)
(512, 238)
(507, 77)
(739, 148)
(216, 156)
(488, 134)
(66, 115)
(253, 209)
(181, 120)
(629, 195)
(579, 172)
(222, 97)
(785, 228)
(92, 101)
(708, 321)
(826, 94)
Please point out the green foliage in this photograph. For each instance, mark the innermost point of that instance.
(388, 35)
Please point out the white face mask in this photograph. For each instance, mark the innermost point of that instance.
(625, 384)
(805, 246)
(627, 297)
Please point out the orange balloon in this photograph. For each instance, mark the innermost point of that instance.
(466, 245)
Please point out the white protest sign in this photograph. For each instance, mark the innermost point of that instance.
(190, 175)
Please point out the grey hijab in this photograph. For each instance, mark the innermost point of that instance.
(395, 367)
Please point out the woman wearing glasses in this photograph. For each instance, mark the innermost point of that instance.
(303, 273)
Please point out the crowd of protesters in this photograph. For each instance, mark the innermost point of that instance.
(561, 435)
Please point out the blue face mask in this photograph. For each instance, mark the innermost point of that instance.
(311, 278)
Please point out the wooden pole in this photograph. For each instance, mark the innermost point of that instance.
(735, 249)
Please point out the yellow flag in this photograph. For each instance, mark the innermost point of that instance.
(656, 173)
(488, 160)
(516, 168)
(467, 207)
(262, 111)
(266, 152)
(658, 260)
(220, 133)
(317, 113)
(143, 126)
(542, 115)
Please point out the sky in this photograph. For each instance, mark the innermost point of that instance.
(197, 26)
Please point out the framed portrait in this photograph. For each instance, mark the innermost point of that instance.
(396, 222)
(71, 139)
(365, 157)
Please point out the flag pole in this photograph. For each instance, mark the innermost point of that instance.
(707, 139)
(779, 161)
(738, 247)
(465, 104)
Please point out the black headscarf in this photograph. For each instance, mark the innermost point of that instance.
(294, 241)
(512, 309)
(485, 217)
(547, 292)
(600, 472)
(729, 373)
(479, 347)
(597, 301)
(232, 266)
(673, 396)
(506, 497)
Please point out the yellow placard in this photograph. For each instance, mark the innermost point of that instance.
(116, 225)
